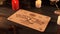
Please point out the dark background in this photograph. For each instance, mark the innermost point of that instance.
(25, 3)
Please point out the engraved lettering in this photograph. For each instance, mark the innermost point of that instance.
(30, 20)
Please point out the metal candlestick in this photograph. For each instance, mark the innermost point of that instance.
(58, 10)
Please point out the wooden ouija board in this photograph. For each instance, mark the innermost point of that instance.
(30, 19)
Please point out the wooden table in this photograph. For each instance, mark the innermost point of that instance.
(46, 10)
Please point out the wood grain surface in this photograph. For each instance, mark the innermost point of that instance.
(30, 19)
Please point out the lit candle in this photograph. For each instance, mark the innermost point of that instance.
(58, 21)
(38, 3)
(15, 4)
(2, 1)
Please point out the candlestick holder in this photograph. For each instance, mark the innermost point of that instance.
(58, 10)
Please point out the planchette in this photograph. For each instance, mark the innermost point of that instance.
(30, 19)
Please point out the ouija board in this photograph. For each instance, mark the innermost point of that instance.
(30, 19)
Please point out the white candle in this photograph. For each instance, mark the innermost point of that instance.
(58, 21)
(38, 3)
(1, 2)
